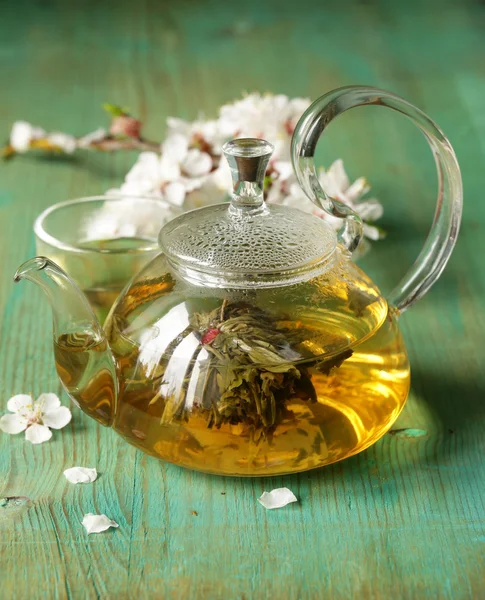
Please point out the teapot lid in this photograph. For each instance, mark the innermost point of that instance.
(247, 243)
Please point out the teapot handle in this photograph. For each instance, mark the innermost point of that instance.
(444, 230)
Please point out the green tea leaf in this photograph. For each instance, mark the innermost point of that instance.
(115, 110)
(253, 369)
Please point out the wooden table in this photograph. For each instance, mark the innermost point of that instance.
(404, 519)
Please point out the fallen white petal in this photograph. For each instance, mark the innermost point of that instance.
(38, 433)
(48, 402)
(13, 423)
(277, 498)
(57, 418)
(20, 402)
(97, 523)
(81, 475)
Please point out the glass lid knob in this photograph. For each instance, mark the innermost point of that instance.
(248, 159)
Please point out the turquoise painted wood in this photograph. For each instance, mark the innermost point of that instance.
(406, 518)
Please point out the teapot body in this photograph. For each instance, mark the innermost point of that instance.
(254, 382)
(253, 345)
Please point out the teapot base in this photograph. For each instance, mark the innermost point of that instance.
(278, 465)
(355, 405)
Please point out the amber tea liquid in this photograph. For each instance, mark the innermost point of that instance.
(86, 369)
(356, 404)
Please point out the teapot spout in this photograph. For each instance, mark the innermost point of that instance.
(70, 308)
(84, 361)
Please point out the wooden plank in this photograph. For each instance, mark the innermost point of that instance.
(405, 518)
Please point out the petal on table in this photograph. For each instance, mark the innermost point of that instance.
(58, 418)
(38, 433)
(80, 475)
(277, 498)
(20, 402)
(97, 523)
(13, 423)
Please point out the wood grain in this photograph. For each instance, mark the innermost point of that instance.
(404, 519)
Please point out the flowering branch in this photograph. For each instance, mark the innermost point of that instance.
(124, 133)
(186, 168)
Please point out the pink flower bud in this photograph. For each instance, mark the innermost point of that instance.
(209, 336)
(124, 125)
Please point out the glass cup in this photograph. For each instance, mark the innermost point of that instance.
(102, 241)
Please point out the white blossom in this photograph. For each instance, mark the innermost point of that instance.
(191, 173)
(197, 163)
(97, 523)
(271, 117)
(36, 418)
(213, 189)
(268, 116)
(189, 176)
(172, 175)
(67, 143)
(212, 133)
(95, 136)
(125, 218)
(335, 182)
(23, 134)
(144, 176)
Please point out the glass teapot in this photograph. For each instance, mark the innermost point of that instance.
(253, 345)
